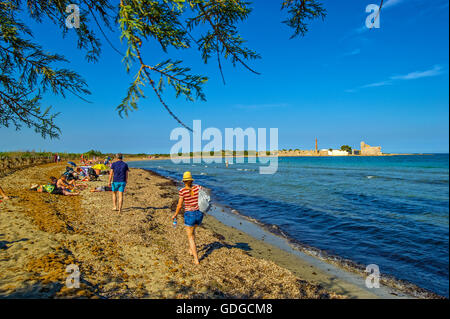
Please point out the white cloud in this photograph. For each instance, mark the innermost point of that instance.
(376, 84)
(435, 71)
(391, 3)
(354, 52)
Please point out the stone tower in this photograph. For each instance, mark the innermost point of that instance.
(316, 145)
(368, 150)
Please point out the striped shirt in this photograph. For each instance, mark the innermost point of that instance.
(190, 202)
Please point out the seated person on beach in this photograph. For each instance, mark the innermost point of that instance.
(64, 184)
(102, 189)
(52, 189)
(192, 215)
(70, 185)
(2, 194)
(53, 181)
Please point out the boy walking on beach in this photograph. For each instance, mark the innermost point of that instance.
(119, 178)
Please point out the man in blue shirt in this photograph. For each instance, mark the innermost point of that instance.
(119, 178)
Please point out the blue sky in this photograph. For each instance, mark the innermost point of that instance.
(341, 83)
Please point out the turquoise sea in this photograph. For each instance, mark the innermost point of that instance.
(392, 211)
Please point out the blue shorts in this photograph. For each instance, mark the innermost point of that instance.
(193, 218)
(118, 186)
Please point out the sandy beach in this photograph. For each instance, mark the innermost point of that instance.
(138, 253)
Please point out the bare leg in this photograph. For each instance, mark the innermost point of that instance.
(120, 201)
(2, 193)
(67, 193)
(114, 200)
(191, 237)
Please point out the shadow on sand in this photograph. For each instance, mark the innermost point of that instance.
(209, 248)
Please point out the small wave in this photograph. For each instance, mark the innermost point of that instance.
(370, 176)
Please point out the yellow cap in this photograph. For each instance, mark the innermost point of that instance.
(187, 176)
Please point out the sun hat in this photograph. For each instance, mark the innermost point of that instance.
(187, 176)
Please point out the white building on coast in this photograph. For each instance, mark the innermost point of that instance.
(337, 153)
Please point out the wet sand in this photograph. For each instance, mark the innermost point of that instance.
(137, 253)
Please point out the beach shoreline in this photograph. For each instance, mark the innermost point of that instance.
(306, 261)
(139, 254)
(135, 254)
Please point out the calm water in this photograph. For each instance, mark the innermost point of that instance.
(389, 211)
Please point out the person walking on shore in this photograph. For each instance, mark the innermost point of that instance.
(192, 216)
(2, 194)
(119, 178)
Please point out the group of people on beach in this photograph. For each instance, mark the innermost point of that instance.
(117, 182)
(59, 186)
(67, 184)
(56, 158)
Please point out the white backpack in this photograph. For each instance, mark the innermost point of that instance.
(203, 200)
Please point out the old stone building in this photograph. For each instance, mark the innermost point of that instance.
(370, 150)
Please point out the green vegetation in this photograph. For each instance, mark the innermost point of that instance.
(69, 156)
(28, 70)
(33, 154)
(93, 153)
(346, 148)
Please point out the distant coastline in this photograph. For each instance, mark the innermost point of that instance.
(166, 157)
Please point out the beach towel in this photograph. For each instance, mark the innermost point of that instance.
(49, 188)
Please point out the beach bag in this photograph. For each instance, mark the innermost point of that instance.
(204, 201)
